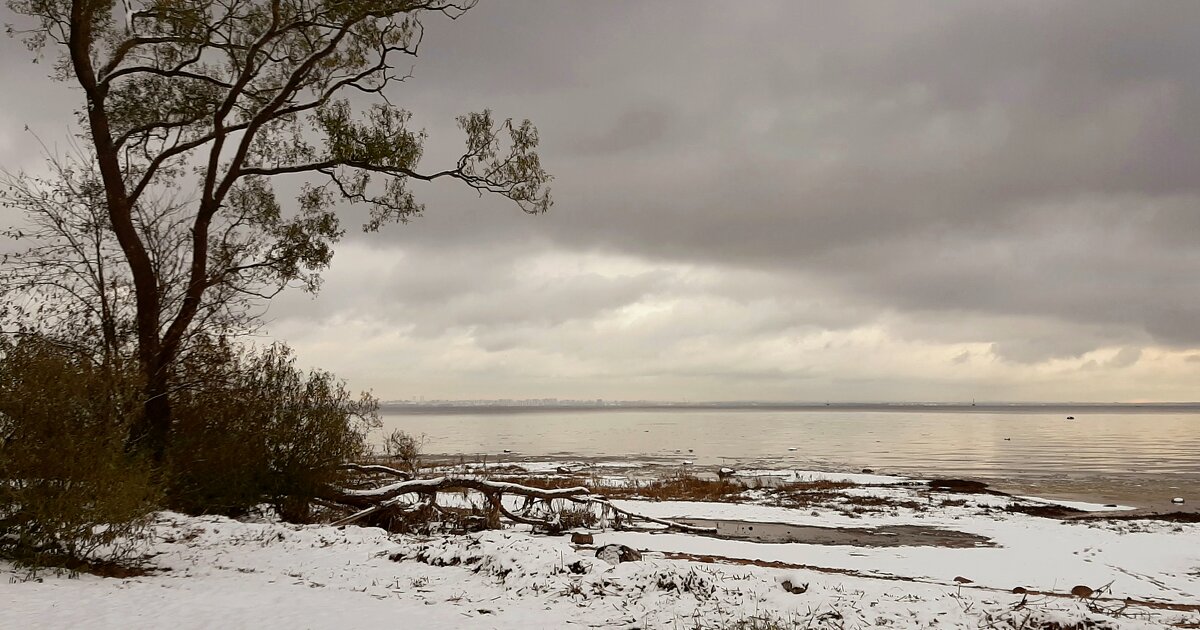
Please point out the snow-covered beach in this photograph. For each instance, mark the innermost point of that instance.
(217, 572)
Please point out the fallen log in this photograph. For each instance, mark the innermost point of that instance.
(603, 501)
(395, 497)
(371, 496)
(377, 469)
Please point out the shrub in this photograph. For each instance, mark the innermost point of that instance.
(251, 428)
(577, 517)
(405, 449)
(68, 491)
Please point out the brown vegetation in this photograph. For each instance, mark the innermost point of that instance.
(680, 487)
(67, 488)
(256, 429)
(251, 429)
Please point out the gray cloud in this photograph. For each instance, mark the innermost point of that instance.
(1018, 177)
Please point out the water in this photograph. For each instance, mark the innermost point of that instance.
(1133, 453)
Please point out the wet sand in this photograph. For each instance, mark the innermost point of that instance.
(1148, 495)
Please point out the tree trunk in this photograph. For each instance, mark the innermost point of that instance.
(151, 431)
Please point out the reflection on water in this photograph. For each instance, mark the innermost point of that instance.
(982, 444)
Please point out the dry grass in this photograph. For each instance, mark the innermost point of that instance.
(546, 482)
(803, 494)
(827, 494)
(577, 517)
(680, 488)
(815, 486)
(687, 487)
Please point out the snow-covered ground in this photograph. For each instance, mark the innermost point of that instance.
(213, 572)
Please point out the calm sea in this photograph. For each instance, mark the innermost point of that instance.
(1157, 451)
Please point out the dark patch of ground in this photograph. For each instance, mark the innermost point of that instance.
(886, 536)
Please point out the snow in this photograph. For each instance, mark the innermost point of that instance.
(1143, 560)
(1082, 506)
(216, 572)
(225, 573)
(824, 475)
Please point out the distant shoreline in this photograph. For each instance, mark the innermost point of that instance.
(1047, 408)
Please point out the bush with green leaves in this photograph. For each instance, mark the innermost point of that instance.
(404, 449)
(251, 428)
(68, 490)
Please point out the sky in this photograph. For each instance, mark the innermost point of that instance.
(826, 201)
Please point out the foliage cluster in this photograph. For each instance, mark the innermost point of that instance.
(67, 487)
(404, 449)
(259, 430)
(252, 428)
(155, 245)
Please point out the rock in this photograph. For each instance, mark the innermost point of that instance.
(791, 448)
(688, 462)
(962, 580)
(725, 472)
(562, 470)
(958, 485)
(1082, 591)
(794, 588)
(1177, 500)
(581, 539)
(507, 450)
(616, 554)
(1020, 590)
(868, 471)
(1111, 505)
(1070, 417)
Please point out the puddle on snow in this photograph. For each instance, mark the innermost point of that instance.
(885, 536)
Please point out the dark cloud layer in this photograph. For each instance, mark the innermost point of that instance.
(1011, 182)
(1015, 158)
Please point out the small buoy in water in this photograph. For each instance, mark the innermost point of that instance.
(792, 448)
(1070, 417)
(1177, 500)
(507, 451)
(689, 450)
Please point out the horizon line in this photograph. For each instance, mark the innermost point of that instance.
(599, 403)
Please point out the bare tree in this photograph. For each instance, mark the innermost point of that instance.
(213, 99)
(70, 284)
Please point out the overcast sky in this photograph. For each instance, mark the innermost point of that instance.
(932, 201)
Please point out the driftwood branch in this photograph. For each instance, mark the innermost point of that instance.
(395, 498)
(377, 468)
(607, 505)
